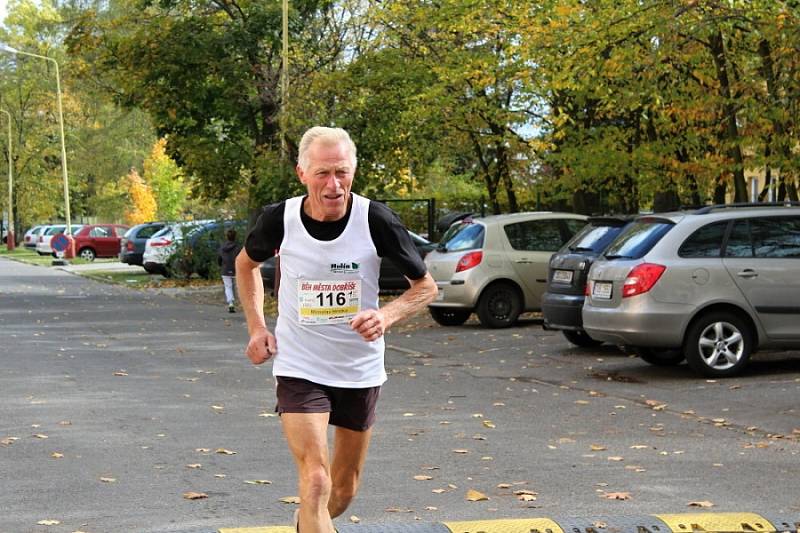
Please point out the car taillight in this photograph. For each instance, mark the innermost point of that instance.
(641, 279)
(469, 260)
(587, 289)
(129, 246)
(160, 242)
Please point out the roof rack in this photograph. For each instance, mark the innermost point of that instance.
(709, 208)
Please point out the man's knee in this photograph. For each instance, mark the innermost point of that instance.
(316, 482)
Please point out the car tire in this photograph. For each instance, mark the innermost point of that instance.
(87, 254)
(499, 306)
(660, 356)
(449, 317)
(580, 338)
(719, 344)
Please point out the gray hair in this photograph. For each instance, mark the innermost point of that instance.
(326, 136)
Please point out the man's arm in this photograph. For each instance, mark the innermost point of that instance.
(373, 323)
(251, 293)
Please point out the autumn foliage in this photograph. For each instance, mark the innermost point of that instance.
(142, 206)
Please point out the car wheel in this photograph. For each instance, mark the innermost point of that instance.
(659, 356)
(718, 344)
(580, 338)
(499, 306)
(449, 317)
(87, 254)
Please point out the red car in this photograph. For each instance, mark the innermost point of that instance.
(99, 240)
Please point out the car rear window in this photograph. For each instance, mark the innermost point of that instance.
(638, 238)
(465, 235)
(705, 242)
(594, 238)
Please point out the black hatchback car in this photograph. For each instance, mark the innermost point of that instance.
(131, 246)
(566, 277)
(390, 279)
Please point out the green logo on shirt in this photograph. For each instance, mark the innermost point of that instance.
(344, 268)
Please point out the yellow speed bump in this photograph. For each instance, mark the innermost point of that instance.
(523, 525)
(717, 522)
(272, 529)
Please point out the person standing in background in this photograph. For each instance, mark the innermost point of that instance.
(227, 261)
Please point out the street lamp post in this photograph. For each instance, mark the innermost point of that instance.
(10, 237)
(68, 231)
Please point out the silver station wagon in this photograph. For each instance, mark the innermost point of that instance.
(710, 286)
(496, 266)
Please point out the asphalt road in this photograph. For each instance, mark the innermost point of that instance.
(115, 402)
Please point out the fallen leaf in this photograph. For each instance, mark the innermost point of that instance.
(617, 495)
(398, 510)
(268, 415)
(422, 478)
(598, 447)
(522, 492)
(439, 491)
(615, 458)
(489, 424)
(218, 407)
(582, 402)
(40, 436)
(431, 508)
(195, 495)
(291, 499)
(194, 465)
(704, 504)
(65, 423)
(8, 441)
(120, 373)
(56, 455)
(639, 447)
(475, 496)
(220, 476)
(504, 485)
(48, 522)
(258, 482)
(202, 450)
(223, 451)
(461, 451)
(526, 497)
(108, 479)
(354, 519)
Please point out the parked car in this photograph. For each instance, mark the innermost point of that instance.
(390, 279)
(43, 242)
(496, 265)
(160, 247)
(31, 236)
(711, 286)
(566, 277)
(131, 246)
(98, 240)
(198, 253)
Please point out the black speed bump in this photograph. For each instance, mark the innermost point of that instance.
(661, 523)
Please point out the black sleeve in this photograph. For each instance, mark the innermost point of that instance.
(267, 235)
(393, 242)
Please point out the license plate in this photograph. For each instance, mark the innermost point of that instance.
(562, 276)
(602, 290)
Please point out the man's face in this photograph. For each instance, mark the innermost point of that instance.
(328, 179)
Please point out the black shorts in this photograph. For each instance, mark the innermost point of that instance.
(349, 408)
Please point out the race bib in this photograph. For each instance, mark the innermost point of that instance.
(328, 302)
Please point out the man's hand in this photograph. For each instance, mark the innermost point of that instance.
(370, 324)
(261, 346)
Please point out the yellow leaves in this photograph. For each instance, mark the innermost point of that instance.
(142, 205)
(616, 495)
(475, 496)
(423, 478)
(489, 424)
(57, 455)
(49, 522)
(597, 447)
(195, 495)
(223, 451)
(703, 504)
(295, 500)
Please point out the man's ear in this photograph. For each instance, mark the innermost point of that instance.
(300, 174)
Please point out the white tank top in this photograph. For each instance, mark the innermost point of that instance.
(323, 284)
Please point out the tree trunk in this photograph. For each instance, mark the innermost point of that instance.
(731, 132)
(491, 181)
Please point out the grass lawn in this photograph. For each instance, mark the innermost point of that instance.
(29, 255)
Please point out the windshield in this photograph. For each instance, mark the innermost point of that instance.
(638, 239)
(52, 230)
(462, 236)
(593, 238)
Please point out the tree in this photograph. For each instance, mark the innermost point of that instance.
(165, 179)
(141, 202)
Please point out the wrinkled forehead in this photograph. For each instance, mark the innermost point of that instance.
(324, 152)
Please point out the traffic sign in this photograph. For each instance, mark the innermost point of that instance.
(60, 242)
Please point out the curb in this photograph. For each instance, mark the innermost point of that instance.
(660, 523)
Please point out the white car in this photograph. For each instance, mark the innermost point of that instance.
(32, 236)
(43, 243)
(162, 244)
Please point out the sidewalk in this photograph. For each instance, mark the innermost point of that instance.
(115, 266)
